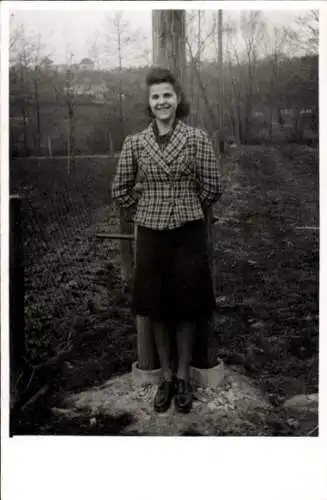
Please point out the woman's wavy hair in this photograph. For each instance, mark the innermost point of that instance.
(163, 75)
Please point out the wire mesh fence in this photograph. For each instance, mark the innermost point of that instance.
(60, 210)
(58, 204)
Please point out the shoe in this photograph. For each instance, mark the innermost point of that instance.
(183, 396)
(164, 396)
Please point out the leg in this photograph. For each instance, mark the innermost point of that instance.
(185, 335)
(165, 391)
(185, 341)
(163, 345)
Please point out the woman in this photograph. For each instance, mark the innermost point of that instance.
(177, 168)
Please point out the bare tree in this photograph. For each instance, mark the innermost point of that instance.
(275, 46)
(201, 29)
(70, 101)
(14, 38)
(233, 96)
(21, 55)
(201, 86)
(305, 34)
(27, 53)
(94, 51)
(252, 33)
(37, 58)
(195, 21)
(220, 70)
(119, 38)
(66, 90)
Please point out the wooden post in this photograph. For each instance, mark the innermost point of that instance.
(49, 146)
(16, 297)
(126, 245)
(111, 148)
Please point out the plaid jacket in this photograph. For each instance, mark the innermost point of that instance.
(179, 183)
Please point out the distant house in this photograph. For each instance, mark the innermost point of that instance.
(86, 64)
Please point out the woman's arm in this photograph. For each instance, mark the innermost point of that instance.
(207, 171)
(122, 187)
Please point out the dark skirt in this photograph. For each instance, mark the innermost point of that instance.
(172, 276)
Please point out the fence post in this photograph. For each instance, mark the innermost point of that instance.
(203, 357)
(49, 146)
(126, 246)
(16, 296)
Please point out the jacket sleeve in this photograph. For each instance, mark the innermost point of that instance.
(122, 187)
(208, 176)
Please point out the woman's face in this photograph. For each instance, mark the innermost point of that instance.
(163, 101)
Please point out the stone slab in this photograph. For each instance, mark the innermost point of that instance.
(217, 410)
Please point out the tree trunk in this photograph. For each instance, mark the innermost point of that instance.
(37, 116)
(168, 38)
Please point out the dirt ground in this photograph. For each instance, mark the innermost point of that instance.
(267, 285)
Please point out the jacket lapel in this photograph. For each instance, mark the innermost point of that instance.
(172, 150)
(151, 147)
(176, 143)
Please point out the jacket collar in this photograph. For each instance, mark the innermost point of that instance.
(176, 143)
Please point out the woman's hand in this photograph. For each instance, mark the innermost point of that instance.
(138, 188)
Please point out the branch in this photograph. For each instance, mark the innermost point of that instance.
(205, 98)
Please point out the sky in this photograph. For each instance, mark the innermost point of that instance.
(86, 33)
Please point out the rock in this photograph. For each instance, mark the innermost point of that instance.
(303, 403)
(302, 412)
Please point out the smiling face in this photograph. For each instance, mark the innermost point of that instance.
(163, 101)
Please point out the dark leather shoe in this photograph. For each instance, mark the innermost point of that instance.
(183, 396)
(164, 396)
